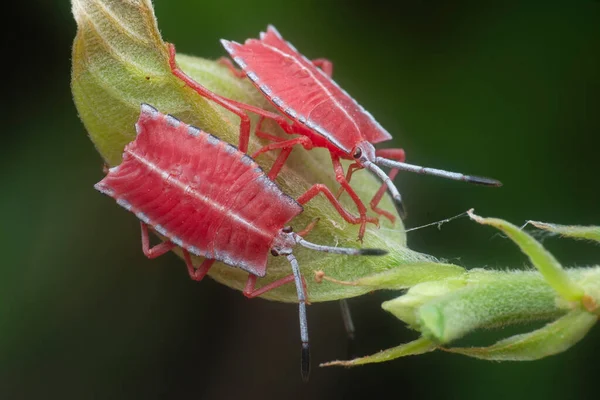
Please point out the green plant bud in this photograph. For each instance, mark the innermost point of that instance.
(553, 338)
(120, 60)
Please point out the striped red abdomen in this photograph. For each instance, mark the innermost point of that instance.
(200, 192)
(293, 82)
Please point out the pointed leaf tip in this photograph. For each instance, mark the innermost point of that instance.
(416, 347)
(571, 231)
(551, 339)
(539, 257)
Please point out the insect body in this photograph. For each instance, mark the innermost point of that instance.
(319, 110)
(212, 200)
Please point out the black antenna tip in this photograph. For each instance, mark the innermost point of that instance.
(372, 252)
(305, 362)
(482, 180)
(400, 207)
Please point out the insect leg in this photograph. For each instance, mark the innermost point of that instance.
(207, 94)
(300, 289)
(227, 63)
(320, 188)
(197, 273)
(250, 291)
(353, 167)
(157, 250)
(325, 65)
(393, 154)
(280, 120)
(285, 144)
(296, 277)
(347, 318)
(278, 164)
(362, 210)
(308, 228)
(264, 135)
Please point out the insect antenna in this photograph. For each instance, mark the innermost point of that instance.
(477, 180)
(341, 250)
(391, 187)
(305, 356)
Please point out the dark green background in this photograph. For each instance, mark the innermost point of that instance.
(506, 90)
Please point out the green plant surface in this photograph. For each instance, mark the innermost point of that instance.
(448, 309)
(570, 231)
(551, 339)
(416, 347)
(120, 61)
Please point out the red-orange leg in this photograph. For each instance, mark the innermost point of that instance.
(308, 228)
(227, 62)
(157, 250)
(279, 162)
(197, 273)
(235, 107)
(280, 120)
(353, 167)
(320, 188)
(264, 135)
(286, 147)
(302, 140)
(250, 291)
(362, 210)
(392, 154)
(223, 102)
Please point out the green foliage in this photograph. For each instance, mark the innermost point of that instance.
(553, 338)
(444, 310)
(571, 231)
(119, 61)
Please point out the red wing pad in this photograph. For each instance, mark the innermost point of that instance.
(200, 192)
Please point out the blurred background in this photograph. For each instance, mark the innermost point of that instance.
(502, 89)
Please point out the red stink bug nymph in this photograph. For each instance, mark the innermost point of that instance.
(320, 111)
(211, 200)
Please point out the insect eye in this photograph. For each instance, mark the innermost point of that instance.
(357, 153)
(287, 229)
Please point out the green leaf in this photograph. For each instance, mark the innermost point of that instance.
(553, 338)
(413, 348)
(406, 307)
(490, 299)
(462, 301)
(119, 61)
(540, 258)
(570, 231)
(410, 275)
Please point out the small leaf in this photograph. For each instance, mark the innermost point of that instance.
(406, 307)
(490, 299)
(570, 231)
(119, 61)
(540, 258)
(553, 338)
(413, 348)
(410, 275)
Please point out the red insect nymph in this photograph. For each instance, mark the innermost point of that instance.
(319, 110)
(212, 200)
